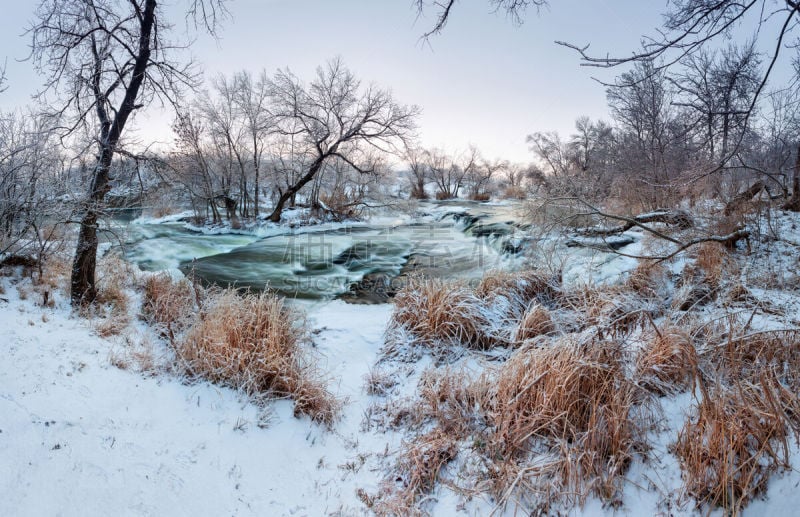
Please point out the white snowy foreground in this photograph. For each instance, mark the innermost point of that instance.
(80, 436)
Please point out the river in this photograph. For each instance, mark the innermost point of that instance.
(440, 239)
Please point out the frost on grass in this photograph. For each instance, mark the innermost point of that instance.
(560, 417)
(555, 423)
(249, 342)
(437, 315)
(445, 316)
(736, 440)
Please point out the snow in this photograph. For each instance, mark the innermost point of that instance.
(80, 436)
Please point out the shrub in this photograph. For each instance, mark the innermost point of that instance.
(439, 314)
(729, 449)
(667, 363)
(253, 343)
(575, 397)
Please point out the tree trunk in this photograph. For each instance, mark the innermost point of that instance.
(290, 193)
(794, 202)
(255, 197)
(83, 289)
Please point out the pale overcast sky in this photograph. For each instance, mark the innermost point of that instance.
(483, 81)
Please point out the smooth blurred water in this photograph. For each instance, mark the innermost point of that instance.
(445, 240)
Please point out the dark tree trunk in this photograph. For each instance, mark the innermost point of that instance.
(290, 193)
(82, 285)
(83, 289)
(794, 202)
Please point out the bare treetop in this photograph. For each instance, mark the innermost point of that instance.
(443, 8)
(3, 85)
(90, 52)
(104, 60)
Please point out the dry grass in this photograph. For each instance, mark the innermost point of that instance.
(112, 324)
(712, 258)
(733, 444)
(739, 435)
(254, 343)
(169, 305)
(138, 355)
(249, 342)
(615, 310)
(747, 356)
(454, 399)
(379, 382)
(55, 273)
(439, 314)
(520, 287)
(416, 473)
(646, 279)
(576, 398)
(667, 363)
(536, 321)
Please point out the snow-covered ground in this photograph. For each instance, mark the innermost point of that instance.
(81, 436)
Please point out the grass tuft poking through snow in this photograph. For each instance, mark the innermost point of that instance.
(520, 288)
(253, 342)
(536, 321)
(667, 363)
(416, 473)
(440, 314)
(169, 305)
(246, 341)
(577, 398)
(735, 442)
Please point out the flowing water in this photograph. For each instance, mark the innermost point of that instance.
(446, 240)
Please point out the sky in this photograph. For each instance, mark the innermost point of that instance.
(483, 81)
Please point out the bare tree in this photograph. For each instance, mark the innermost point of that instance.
(227, 142)
(719, 90)
(691, 26)
(252, 101)
(333, 117)
(482, 176)
(417, 171)
(443, 8)
(30, 182)
(191, 166)
(3, 85)
(106, 59)
(450, 172)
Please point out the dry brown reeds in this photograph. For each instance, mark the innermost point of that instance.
(646, 279)
(711, 261)
(416, 473)
(536, 321)
(253, 343)
(55, 273)
(454, 399)
(575, 397)
(520, 287)
(379, 382)
(169, 305)
(733, 444)
(439, 314)
(667, 363)
(748, 357)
